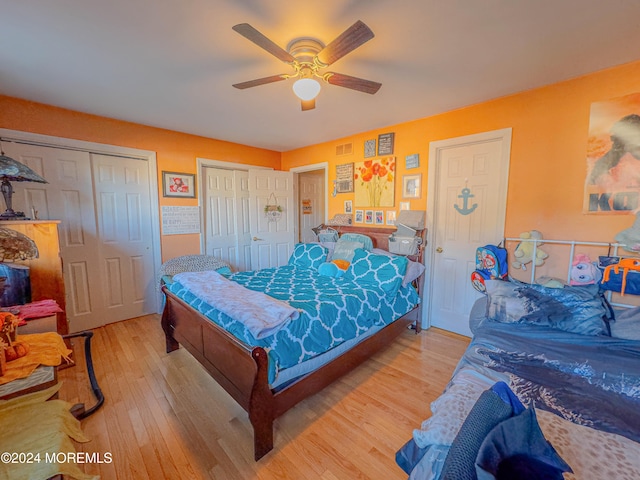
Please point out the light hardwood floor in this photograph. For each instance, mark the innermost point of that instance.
(164, 417)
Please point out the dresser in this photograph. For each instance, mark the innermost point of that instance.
(46, 277)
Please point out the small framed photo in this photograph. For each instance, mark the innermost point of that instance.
(411, 185)
(379, 217)
(391, 217)
(370, 148)
(176, 184)
(348, 207)
(368, 216)
(405, 206)
(359, 216)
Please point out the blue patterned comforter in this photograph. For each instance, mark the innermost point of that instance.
(333, 310)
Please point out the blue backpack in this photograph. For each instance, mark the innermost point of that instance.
(491, 264)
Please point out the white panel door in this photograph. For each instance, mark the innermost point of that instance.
(311, 191)
(468, 202)
(221, 236)
(124, 231)
(67, 197)
(272, 241)
(243, 225)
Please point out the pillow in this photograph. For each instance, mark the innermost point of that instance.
(330, 269)
(345, 250)
(572, 309)
(308, 255)
(516, 448)
(358, 237)
(414, 269)
(627, 324)
(379, 270)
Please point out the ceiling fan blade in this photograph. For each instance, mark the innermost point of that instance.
(250, 33)
(308, 104)
(349, 40)
(260, 81)
(354, 83)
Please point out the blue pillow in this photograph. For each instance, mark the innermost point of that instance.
(572, 309)
(516, 448)
(330, 269)
(366, 241)
(308, 255)
(380, 270)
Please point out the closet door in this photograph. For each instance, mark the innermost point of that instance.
(69, 197)
(124, 235)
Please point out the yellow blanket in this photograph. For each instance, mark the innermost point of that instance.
(38, 433)
(44, 349)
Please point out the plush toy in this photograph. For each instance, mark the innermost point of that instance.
(524, 251)
(583, 271)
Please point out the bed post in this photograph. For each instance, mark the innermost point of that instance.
(171, 343)
(261, 408)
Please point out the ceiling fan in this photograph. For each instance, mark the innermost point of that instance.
(308, 57)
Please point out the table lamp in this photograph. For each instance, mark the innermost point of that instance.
(13, 171)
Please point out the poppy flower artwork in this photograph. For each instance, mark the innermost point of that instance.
(375, 182)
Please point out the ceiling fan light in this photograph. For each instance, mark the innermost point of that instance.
(306, 88)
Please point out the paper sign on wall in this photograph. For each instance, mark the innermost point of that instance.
(180, 220)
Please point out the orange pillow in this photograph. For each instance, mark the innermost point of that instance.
(342, 264)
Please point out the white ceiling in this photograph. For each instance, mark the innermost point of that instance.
(171, 63)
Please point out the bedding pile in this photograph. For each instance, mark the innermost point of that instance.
(553, 349)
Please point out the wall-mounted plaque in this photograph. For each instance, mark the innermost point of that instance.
(385, 143)
(412, 161)
(344, 178)
(369, 148)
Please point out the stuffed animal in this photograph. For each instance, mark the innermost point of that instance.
(524, 251)
(583, 271)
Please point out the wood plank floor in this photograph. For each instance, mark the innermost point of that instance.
(164, 417)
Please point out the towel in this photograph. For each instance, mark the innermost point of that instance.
(261, 314)
(31, 424)
(44, 349)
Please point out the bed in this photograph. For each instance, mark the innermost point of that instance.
(566, 359)
(337, 323)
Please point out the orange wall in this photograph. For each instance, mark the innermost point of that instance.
(175, 151)
(547, 172)
(548, 152)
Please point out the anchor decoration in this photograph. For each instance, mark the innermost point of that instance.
(465, 195)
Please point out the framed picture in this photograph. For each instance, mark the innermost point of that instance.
(344, 178)
(411, 185)
(385, 143)
(348, 207)
(359, 216)
(391, 217)
(176, 184)
(379, 217)
(405, 206)
(368, 216)
(370, 148)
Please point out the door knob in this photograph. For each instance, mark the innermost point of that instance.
(256, 239)
(439, 249)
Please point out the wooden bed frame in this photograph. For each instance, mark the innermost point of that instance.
(242, 370)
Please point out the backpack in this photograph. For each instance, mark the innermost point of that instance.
(491, 264)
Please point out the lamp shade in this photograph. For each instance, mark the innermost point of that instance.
(15, 171)
(16, 246)
(306, 88)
